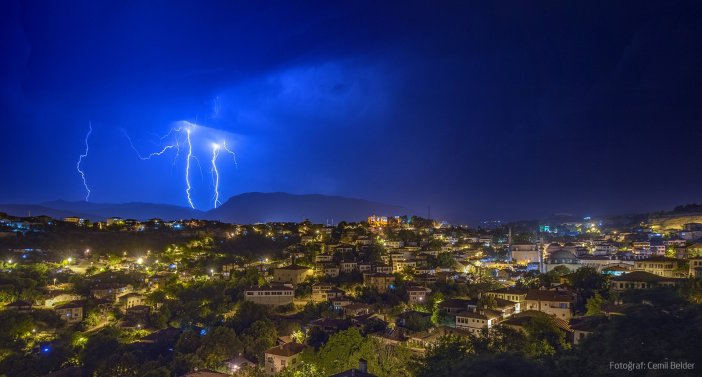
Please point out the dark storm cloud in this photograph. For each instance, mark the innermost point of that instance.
(510, 110)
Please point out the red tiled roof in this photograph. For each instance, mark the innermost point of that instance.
(287, 349)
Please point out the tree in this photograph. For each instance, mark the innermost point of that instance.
(303, 370)
(594, 305)
(553, 276)
(219, 344)
(497, 365)
(506, 339)
(692, 290)
(159, 319)
(445, 358)
(417, 322)
(119, 365)
(487, 301)
(587, 280)
(436, 312)
(258, 337)
(445, 260)
(544, 337)
(344, 349)
(645, 333)
(386, 360)
(158, 372)
(100, 347)
(341, 352)
(248, 313)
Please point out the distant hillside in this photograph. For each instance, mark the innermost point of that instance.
(674, 220)
(278, 206)
(135, 210)
(25, 210)
(244, 208)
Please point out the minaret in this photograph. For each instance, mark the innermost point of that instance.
(509, 239)
(509, 242)
(541, 248)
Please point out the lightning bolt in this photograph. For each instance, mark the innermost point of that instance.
(80, 159)
(215, 174)
(187, 169)
(175, 145)
(177, 135)
(224, 146)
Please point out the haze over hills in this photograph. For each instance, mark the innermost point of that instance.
(243, 208)
(278, 206)
(133, 210)
(26, 210)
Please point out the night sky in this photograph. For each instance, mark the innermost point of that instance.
(509, 110)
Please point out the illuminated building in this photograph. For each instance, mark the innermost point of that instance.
(381, 282)
(74, 220)
(556, 303)
(661, 266)
(562, 258)
(377, 220)
(71, 312)
(477, 321)
(525, 254)
(270, 296)
(642, 280)
(282, 356)
(418, 295)
(319, 291)
(292, 274)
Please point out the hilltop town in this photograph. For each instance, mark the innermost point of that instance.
(390, 296)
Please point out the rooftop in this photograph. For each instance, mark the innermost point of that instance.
(660, 259)
(278, 288)
(544, 295)
(70, 305)
(642, 276)
(287, 349)
(293, 267)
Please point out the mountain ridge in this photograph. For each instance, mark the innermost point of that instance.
(248, 207)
